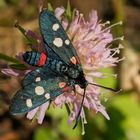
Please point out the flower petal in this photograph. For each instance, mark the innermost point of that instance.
(13, 72)
(42, 112)
(32, 113)
(59, 11)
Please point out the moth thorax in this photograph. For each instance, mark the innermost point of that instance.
(81, 81)
(35, 58)
(64, 68)
(73, 73)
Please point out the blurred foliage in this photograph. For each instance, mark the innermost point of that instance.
(123, 108)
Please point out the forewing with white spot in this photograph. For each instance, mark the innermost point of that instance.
(56, 38)
(38, 91)
(37, 75)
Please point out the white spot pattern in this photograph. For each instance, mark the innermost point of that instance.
(37, 70)
(38, 79)
(55, 27)
(67, 42)
(58, 42)
(29, 103)
(39, 90)
(47, 96)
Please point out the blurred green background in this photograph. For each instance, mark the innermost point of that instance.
(123, 109)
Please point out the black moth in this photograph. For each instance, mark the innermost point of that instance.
(57, 71)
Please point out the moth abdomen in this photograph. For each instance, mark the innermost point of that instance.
(35, 58)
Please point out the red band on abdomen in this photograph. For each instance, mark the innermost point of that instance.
(42, 59)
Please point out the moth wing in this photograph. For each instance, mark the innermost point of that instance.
(56, 38)
(37, 75)
(51, 54)
(38, 92)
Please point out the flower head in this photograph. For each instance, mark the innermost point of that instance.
(91, 40)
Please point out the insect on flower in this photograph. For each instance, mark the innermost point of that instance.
(58, 75)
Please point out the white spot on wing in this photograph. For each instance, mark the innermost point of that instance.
(58, 42)
(29, 103)
(38, 79)
(47, 96)
(67, 42)
(55, 27)
(38, 70)
(39, 90)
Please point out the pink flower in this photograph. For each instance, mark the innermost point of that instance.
(91, 40)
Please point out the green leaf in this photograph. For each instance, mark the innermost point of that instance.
(43, 133)
(50, 8)
(61, 114)
(128, 106)
(69, 11)
(73, 12)
(18, 66)
(67, 130)
(8, 58)
(109, 80)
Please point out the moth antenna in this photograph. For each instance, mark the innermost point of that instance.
(78, 116)
(108, 88)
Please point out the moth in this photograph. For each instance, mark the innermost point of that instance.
(58, 70)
